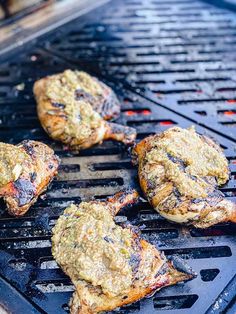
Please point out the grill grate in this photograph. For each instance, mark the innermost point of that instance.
(179, 54)
(158, 71)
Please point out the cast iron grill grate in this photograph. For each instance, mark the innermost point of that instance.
(30, 280)
(179, 54)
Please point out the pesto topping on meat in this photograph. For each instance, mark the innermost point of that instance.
(90, 246)
(187, 160)
(63, 89)
(11, 160)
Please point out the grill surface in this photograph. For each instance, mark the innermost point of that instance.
(171, 63)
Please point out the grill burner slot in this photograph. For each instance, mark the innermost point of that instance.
(175, 302)
(209, 274)
(214, 231)
(201, 252)
(111, 166)
(148, 122)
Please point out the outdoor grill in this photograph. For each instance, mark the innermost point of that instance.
(171, 62)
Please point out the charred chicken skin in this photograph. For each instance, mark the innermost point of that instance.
(73, 108)
(25, 172)
(109, 265)
(179, 171)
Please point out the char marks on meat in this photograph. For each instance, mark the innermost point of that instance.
(109, 265)
(179, 171)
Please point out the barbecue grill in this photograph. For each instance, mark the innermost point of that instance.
(171, 62)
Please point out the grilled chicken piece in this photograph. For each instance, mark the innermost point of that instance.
(73, 108)
(109, 265)
(179, 171)
(25, 172)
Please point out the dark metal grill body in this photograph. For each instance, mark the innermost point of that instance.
(171, 63)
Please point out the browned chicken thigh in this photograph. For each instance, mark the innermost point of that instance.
(73, 108)
(179, 171)
(25, 172)
(109, 265)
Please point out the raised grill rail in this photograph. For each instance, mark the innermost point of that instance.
(171, 63)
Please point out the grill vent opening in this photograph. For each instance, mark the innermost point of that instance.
(69, 168)
(128, 308)
(219, 230)
(135, 112)
(209, 274)
(148, 122)
(201, 252)
(175, 302)
(111, 166)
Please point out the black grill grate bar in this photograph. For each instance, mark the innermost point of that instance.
(149, 98)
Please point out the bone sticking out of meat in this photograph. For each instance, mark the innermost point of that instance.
(73, 108)
(25, 172)
(179, 172)
(109, 265)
